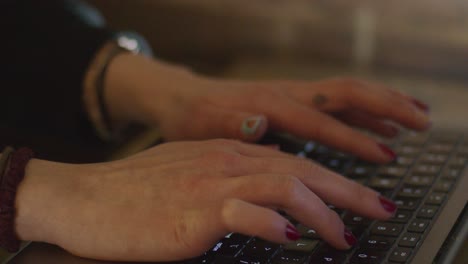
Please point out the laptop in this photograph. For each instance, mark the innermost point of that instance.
(428, 181)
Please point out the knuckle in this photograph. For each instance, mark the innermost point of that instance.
(221, 158)
(229, 209)
(290, 188)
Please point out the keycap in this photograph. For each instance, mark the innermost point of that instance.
(329, 255)
(436, 198)
(203, 259)
(386, 229)
(353, 219)
(443, 185)
(406, 203)
(260, 248)
(415, 139)
(302, 245)
(409, 240)
(439, 148)
(426, 169)
(359, 171)
(307, 232)
(451, 174)
(383, 183)
(418, 225)
(367, 256)
(226, 248)
(408, 151)
(401, 216)
(404, 161)
(289, 257)
(412, 192)
(224, 260)
(419, 180)
(427, 211)
(432, 158)
(392, 171)
(458, 162)
(400, 255)
(377, 242)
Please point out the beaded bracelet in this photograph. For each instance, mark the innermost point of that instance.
(11, 178)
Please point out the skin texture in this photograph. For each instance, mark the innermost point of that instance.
(175, 200)
(187, 106)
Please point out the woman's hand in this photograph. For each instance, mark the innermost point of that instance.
(186, 106)
(176, 200)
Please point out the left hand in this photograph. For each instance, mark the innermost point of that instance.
(187, 106)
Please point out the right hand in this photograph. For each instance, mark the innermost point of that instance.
(176, 200)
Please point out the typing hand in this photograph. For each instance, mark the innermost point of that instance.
(185, 107)
(176, 200)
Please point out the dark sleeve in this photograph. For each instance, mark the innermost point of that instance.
(45, 49)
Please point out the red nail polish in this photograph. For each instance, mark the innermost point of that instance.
(387, 204)
(420, 105)
(388, 151)
(349, 237)
(292, 233)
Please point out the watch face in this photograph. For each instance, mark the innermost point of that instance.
(133, 42)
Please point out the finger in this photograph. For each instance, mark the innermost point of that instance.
(367, 121)
(379, 100)
(331, 187)
(302, 121)
(290, 194)
(249, 219)
(220, 123)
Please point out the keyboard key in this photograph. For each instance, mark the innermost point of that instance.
(439, 148)
(352, 219)
(417, 180)
(386, 229)
(329, 255)
(359, 171)
(289, 257)
(260, 248)
(458, 162)
(443, 185)
(404, 161)
(418, 225)
(416, 139)
(401, 216)
(406, 203)
(431, 158)
(426, 169)
(302, 245)
(307, 232)
(407, 151)
(400, 255)
(383, 183)
(409, 240)
(392, 171)
(377, 242)
(249, 260)
(427, 211)
(367, 256)
(436, 198)
(412, 192)
(224, 260)
(451, 174)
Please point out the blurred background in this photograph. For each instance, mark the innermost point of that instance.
(420, 46)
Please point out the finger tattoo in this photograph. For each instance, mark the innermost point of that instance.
(320, 100)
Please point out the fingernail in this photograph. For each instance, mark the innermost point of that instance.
(388, 151)
(387, 204)
(292, 233)
(251, 125)
(420, 105)
(349, 237)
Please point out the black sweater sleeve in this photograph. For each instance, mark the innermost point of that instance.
(45, 49)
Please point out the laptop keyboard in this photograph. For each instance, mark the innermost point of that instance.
(419, 181)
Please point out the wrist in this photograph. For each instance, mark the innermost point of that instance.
(42, 200)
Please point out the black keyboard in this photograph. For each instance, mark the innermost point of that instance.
(419, 181)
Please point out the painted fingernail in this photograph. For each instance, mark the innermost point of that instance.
(420, 105)
(349, 237)
(388, 151)
(387, 204)
(251, 125)
(292, 233)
